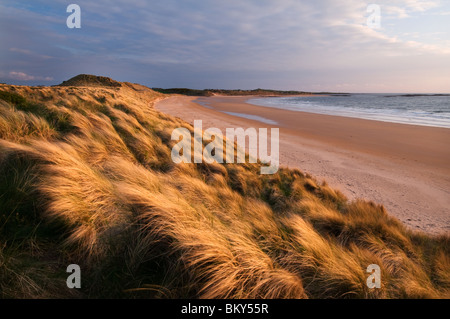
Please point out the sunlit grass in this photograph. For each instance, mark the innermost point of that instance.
(87, 178)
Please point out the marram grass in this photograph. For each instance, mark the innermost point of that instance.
(86, 177)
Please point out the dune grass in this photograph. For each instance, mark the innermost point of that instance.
(86, 177)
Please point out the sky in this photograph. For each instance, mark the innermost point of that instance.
(321, 45)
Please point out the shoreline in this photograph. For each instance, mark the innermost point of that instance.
(438, 123)
(404, 167)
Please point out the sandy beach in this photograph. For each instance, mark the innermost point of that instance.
(404, 167)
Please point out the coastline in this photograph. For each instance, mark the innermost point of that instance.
(404, 167)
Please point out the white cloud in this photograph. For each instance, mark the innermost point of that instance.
(229, 43)
(21, 76)
(29, 53)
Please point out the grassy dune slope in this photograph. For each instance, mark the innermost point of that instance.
(86, 177)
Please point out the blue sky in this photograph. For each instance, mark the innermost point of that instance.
(320, 45)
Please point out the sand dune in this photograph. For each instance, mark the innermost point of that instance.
(404, 167)
(86, 177)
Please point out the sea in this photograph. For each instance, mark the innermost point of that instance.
(415, 109)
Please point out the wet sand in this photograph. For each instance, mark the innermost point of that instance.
(404, 167)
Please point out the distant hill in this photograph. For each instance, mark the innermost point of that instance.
(212, 92)
(91, 81)
(88, 80)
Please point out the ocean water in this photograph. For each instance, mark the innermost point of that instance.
(417, 109)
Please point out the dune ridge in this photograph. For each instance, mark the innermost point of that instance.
(86, 177)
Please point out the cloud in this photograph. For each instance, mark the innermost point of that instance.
(21, 76)
(447, 13)
(396, 12)
(207, 43)
(29, 53)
